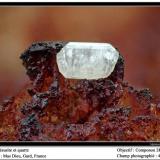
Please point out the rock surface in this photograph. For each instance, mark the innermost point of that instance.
(53, 108)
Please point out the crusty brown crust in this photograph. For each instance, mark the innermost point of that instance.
(53, 108)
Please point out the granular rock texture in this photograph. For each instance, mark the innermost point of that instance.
(53, 108)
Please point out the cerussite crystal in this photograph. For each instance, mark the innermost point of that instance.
(82, 60)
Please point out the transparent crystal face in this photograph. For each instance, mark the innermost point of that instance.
(83, 60)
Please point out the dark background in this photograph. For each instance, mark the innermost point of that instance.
(135, 31)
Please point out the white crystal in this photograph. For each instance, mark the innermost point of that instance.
(83, 60)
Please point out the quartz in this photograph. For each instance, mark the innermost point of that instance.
(84, 60)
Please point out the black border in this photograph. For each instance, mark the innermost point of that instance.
(84, 143)
(77, 4)
(52, 4)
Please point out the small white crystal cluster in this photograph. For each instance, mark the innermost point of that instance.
(83, 60)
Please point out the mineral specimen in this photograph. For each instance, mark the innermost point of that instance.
(54, 108)
(78, 60)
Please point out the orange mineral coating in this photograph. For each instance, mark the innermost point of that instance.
(52, 108)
